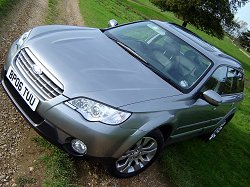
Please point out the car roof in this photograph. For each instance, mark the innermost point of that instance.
(213, 53)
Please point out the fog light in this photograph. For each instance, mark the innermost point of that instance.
(78, 146)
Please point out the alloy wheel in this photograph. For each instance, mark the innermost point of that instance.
(138, 156)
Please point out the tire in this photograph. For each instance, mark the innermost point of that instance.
(139, 157)
(212, 135)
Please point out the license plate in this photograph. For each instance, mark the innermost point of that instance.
(23, 89)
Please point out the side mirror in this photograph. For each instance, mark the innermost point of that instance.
(212, 97)
(112, 23)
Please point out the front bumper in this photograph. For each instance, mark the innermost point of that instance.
(60, 124)
(42, 126)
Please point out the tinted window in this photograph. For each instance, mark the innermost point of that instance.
(235, 82)
(240, 82)
(225, 80)
(217, 81)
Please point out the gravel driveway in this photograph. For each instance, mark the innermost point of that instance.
(13, 127)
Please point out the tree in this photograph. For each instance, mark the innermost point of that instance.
(233, 30)
(236, 28)
(244, 40)
(242, 26)
(210, 16)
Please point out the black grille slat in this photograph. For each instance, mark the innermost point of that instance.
(36, 82)
(42, 83)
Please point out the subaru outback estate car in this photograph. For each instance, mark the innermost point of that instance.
(121, 93)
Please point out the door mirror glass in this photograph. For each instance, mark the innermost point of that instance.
(212, 97)
(112, 23)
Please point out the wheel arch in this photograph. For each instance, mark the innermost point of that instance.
(164, 123)
(166, 131)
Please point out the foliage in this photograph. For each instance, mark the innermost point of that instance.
(233, 29)
(238, 27)
(207, 15)
(244, 40)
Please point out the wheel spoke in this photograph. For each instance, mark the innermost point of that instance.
(138, 165)
(123, 157)
(143, 161)
(139, 143)
(122, 165)
(138, 156)
(128, 168)
(150, 151)
(145, 141)
(152, 145)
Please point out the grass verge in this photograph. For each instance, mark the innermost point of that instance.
(53, 12)
(224, 162)
(6, 6)
(60, 170)
(25, 180)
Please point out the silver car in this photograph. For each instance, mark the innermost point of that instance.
(121, 93)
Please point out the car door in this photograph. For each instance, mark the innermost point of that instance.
(200, 114)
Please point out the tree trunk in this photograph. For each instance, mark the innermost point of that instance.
(184, 24)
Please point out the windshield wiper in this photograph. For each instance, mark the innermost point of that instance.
(124, 46)
(131, 51)
(158, 72)
(143, 61)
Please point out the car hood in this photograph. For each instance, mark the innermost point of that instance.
(89, 64)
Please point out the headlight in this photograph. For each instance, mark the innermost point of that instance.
(95, 111)
(22, 39)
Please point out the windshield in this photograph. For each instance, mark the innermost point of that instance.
(176, 60)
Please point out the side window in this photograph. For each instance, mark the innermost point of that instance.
(235, 82)
(225, 80)
(230, 84)
(217, 81)
(240, 82)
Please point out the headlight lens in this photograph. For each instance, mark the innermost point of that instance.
(95, 111)
(22, 39)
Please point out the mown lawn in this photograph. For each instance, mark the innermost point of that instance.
(223, 162)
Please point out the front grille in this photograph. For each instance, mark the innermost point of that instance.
(46, 85)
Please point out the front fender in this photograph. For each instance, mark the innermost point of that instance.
(144, 129)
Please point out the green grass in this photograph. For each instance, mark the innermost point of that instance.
(223, 162)
(97, 13)
(25, 180)
(53, 12)
(6, 6)
(60, 170)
